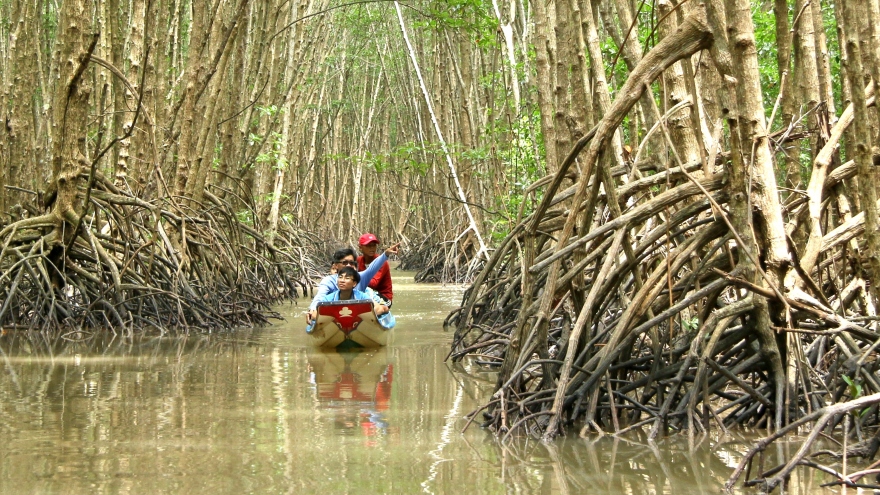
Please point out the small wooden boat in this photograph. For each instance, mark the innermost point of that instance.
(350, 324)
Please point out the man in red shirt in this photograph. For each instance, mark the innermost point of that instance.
(381, 283)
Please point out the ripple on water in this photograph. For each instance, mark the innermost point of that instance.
(259, 411)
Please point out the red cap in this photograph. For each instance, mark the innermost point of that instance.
(367, 239)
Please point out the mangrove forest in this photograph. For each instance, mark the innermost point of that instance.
(665, 212)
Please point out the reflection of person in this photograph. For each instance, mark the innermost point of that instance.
(381, 281)
(347, 281)
(355, 387)
(373, 424)
(342, 258)
(383, 389)
(345, 419)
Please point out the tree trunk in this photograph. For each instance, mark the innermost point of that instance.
(545, 81)
(675, 91)
(826, 89)
(856, 49)
(786, 86)
(509, 49)
(751, 163)
(806, 81)
(70, 121)
(482, 252)
(125, 100)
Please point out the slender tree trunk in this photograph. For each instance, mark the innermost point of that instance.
(786, 79)
(70, 115)
(482, 252)
(125, 100)
(855, 71)
(544, 82)
(562, 54)
(509, 49)
(750, 163)
(806, 79)
(601, 89)
(826, 89)
(21, 94)
(872, 58)
(675, 91)
(186, 146)
(626, 37)
(364, 135)
(582, 87)
(755, 145)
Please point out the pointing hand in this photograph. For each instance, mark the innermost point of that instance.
(393, 249)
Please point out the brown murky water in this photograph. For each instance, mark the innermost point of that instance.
(259, 412)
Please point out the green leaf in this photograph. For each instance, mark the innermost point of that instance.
(855, 388)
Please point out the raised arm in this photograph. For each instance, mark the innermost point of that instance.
(375, 266)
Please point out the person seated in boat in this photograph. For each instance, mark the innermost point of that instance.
(347, 281)
(342, 258)
(381, 282)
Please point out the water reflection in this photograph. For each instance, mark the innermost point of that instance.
(355, 386)
(258, 411)
(610, 465)
(614, 466)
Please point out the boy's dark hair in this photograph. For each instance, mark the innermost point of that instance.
(342, 253)
(351, 272)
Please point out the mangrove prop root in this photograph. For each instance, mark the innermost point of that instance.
(132, 264)
(433, 261)
(624, 303)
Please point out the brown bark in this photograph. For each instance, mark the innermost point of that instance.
(600, 89)
(125, 101)
(826, 90)
(872, 54)
(562, 51)
(582, 87)
(751, 163)
(20, 114)
(856, 73)
(201, 18)
(675, 91)
(70, 112)
(543, 51)
(625, 35)
(806, 80)
(786, 78)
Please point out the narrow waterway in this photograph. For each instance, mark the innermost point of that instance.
(257, 411)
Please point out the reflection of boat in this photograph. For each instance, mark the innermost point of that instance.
(348, 324)
(356, 376)
(356, 385)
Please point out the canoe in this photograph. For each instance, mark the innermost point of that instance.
(349, 324)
